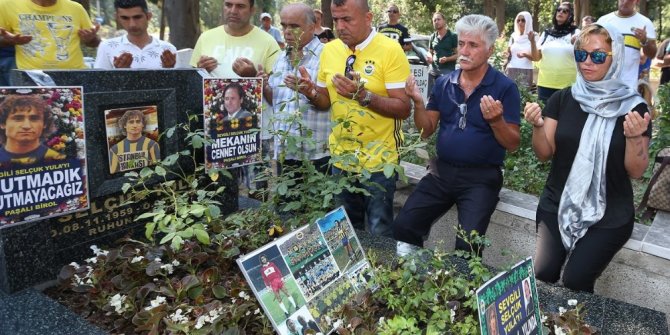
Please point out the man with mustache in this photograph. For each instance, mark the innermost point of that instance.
(239, 49)
(477, 111)
(136, 49)
(362, 75)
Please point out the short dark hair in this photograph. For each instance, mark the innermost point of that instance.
(362, 3)
(17, 102)
(238, 87)
(441, 15)
(123, 120)
(131, 3)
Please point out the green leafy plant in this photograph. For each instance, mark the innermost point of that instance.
(185, 200)
(426, 292)
(568, 321)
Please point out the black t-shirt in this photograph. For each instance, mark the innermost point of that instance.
(396, 32)
(326, 35)
(570, 122)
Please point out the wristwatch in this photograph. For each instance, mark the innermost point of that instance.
(366, 99)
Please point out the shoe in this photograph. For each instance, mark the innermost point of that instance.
(404, 249)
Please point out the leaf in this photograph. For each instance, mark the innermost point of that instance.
(166, 238)
(160, 171)
(202, 236)
(214, 211)
(125, 187)
(146, 215)
(149, 230)
(389, 170)
(213, 175)
(177, 242)
(170, 132)
(219, 291)
(146, 172)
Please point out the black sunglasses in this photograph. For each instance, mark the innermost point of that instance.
(349, 67)
(597, 57)
(393, 11)
(563, 10)
(520, 20)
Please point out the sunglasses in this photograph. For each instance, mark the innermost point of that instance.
(349, 66)
(462, 122)
(563, 10)
(520, 20)
(597, 57)
(393, 11)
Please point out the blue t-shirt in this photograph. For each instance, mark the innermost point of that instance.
(475, 144)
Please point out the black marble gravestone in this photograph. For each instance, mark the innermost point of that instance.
(33, 253)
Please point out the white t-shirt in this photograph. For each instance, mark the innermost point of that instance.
(148, 57)
(632, 50)
(557, 68)
(517, 45)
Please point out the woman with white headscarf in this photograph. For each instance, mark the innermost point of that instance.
(520, 65)
(596, 134)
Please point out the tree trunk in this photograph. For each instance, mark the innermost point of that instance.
(183, 18)
(643, 8)
(500, 14)
(535, 12)
(327, 20)
(489, 8)
(582, 8)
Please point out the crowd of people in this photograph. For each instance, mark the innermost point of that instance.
(587, 78)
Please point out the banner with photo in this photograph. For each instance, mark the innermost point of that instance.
(42, 153)
(303, 278)
(232, 114)
(132, 137)
(509, 304)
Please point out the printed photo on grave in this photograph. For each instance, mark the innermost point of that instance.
(42, 153)
(272, 283)
(132, 138)
(508, 303)
(298, 280)
(232, 116)
(309, 260)
(341, 239)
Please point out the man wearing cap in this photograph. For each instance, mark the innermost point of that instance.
(266, 25)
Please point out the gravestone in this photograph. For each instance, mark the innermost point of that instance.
(33, 253)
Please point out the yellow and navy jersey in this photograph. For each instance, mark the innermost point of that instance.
(128, 155)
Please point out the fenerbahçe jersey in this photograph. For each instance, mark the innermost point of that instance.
(128, 155)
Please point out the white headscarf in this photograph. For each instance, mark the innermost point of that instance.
(583, 200)
(522, 36)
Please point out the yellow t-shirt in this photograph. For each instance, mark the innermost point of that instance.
(373, 139)
(55, 32)
(258, 46)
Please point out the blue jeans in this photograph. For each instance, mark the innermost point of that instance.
(378, 207)
(6, 66)
(474, 191)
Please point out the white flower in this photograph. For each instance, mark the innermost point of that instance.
(157, 260)
(92, 260)
(572, 302)
(381, 321)
(561, 310)
(338, 323)
(168, 267)
(119, 303)
(243, 295)
(178, 317)
(543, 318)
(200, 322)
(258, 310)
(136, 259)
(559, 331)
(155, 303)
(452, 314)
(74, 265)
(175, 263)
(97, 251)
(248, 313)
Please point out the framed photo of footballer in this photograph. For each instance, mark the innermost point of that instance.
(303, 278)
(42, 153)
(232, 115)
(132, 138)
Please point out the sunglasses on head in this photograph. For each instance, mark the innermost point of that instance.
(563, 10)
(349, 66)
(394, 11)
(597, 57)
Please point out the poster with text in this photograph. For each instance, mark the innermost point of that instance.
(42, 153)
(303, 278)
(232, 115)
(132, 138)
(509, 304)
(421, 74)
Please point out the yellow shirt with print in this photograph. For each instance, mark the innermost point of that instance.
(362, 137)
(257, 45)
(55, 31)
